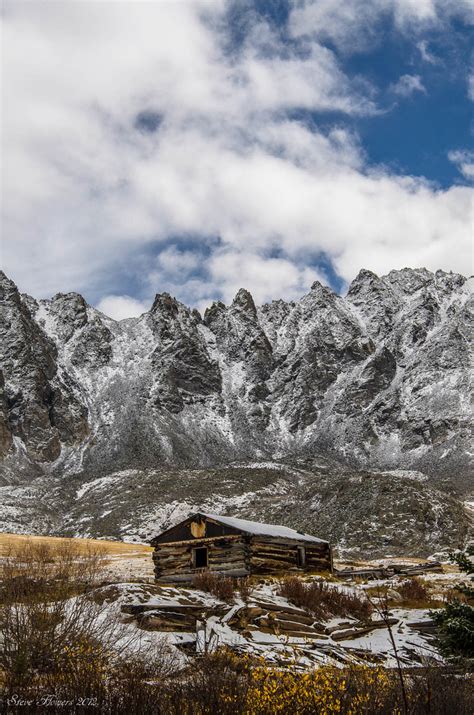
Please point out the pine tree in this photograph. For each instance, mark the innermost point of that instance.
(456, 620)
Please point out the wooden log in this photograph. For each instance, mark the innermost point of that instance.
(282, 554)
(261, 539)
(270, 564)
(267, 606)
(289, 558)
(168, 621)
(282, 558)
(318, 562)
(198, 542)
(187, 577)
(220, 563)
(293, 618)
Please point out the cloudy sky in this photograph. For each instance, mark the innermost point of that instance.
(197, 147)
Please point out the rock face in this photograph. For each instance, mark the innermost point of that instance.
(38, 406)
(378, 379)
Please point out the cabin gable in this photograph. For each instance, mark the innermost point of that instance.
(194, 527)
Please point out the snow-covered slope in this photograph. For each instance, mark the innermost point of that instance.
(347, 415)
(378, 378)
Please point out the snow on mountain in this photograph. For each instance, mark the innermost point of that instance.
(377, 380)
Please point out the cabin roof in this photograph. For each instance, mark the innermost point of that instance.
(250, 527)
(259, 528)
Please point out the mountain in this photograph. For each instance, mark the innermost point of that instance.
(372, 382)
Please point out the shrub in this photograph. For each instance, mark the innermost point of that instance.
(456, 621)
(221, 587)
(456, 629)
(354, 690)
(216, 682)
(414, 591)
(226, 683)
(50, 628)
(245, 589)
(324, 600)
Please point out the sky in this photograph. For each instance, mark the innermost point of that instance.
(197, 147)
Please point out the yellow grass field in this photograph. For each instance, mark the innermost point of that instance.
(123, 562)
(114, 548)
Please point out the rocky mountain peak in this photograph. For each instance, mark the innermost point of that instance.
(364, 281)
(164, 303)
(212, 313)
(410, 280)
(8, 290)
(244, 301)
(69, 310)
(378, 377)
(41, 410)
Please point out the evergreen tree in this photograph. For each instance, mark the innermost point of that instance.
(456, 620)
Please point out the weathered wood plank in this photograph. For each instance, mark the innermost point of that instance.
(196, 542)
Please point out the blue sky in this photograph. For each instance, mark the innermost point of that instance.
(197, 147)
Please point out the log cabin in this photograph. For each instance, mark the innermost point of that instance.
(235, 547)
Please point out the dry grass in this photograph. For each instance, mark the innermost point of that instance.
(121, 561)
(413, 591)
(110, 548)
(221, 587)
(324, 600)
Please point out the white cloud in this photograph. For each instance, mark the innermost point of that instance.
(464, 161)
(352, 25)
(470, 87)
(425, 54)
(173, 261)
(269, 277)
(407, 84)
(119, 307)
(257, 196)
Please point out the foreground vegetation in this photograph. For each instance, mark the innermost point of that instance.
(91, 679)
(324, 600)
(456, 620)
(62, 650)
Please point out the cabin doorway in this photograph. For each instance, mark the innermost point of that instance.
(200, 557)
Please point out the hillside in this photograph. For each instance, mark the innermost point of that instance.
(345, 416)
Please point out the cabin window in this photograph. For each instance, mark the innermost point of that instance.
(301, 556)
(200, 557)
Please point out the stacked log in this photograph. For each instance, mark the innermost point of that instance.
(275, 554)
(227, 555)
(239, 555)
(376, 572)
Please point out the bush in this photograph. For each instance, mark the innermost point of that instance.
(217, 682)
(456, 621)
(50, 628)
(244, 587)
(456, 629)
(225, 683)
(324, 600)
(414, 591)
(221, 587)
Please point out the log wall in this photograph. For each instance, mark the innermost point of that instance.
(270, 554)
(238, 555)
(229, 556)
